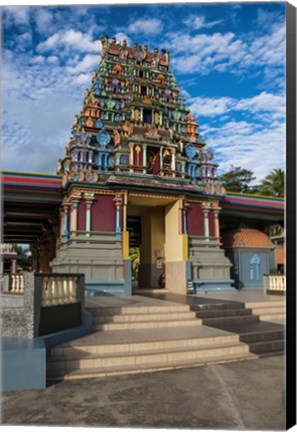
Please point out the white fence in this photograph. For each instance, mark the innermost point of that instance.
(275, 283)
(58, 290)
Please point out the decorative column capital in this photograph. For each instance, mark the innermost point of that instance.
(216, 211)
(89, 198)
(118, 199)
(206, 206)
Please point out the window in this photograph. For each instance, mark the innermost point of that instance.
(147, 116)
(254, 268)
(143, 91)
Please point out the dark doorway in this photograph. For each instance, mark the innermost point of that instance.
(153, 160)
(147, 116)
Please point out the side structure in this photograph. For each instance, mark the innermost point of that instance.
(136, 172)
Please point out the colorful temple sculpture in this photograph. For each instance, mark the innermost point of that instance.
(137, 172)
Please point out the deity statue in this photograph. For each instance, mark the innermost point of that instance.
(116, 137)
(59, 168)
(128, 127)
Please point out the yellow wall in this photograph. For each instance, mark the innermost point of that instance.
(174, 239)
(152, 235)
(145, 248)
(157, 233)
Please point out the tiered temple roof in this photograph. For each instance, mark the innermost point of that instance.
(135, 121)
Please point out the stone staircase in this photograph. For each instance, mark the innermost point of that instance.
(250, 321)
(143, 339)
(268, 311)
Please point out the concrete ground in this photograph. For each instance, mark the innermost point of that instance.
(246, 395)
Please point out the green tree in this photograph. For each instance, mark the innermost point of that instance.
(237, 179)
(274, 183)
(134, 256)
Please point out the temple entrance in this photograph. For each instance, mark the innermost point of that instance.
(146, 229)
(155, 246)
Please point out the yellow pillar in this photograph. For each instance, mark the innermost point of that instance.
(217, 224)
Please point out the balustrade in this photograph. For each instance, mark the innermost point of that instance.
(17, 283)
(275, 283)
(57, 290)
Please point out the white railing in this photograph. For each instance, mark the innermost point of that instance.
(275, 283)
(57, 290)
(17, 283)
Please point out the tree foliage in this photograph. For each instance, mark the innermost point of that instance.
(274, 183)
(237, 179)
(135, 257)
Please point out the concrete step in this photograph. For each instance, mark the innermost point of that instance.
(265, 347)
(95, 372)
(217, 306)
(140, 310)
(223, 321)
(78, 351)
(148, 324)
(272, 317)
(223, 313)
(145, 357)
(148, 317)
(265, 304)
(269, 310)
(262, 336)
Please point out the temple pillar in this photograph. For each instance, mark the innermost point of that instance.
(217, 224)
(62, 222)
(118, 203)
(66, 216)
(13, 269)
(131, 159)
(205, 208)
(173, 160)
(144, 157)
(89, 198)
(161, 159)
(73, 219)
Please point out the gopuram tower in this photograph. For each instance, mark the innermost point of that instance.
(137, 173)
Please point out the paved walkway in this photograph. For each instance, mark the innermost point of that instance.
(241, 296)
(235, 396)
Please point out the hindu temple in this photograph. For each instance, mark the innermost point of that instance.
(137, 173)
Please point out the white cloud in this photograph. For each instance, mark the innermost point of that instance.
(204, 53)
(44, 20)
(25, 38)
(49, 98)
(18, 15)
(257, 142)
(146, 26)
(72, 39)
(196, 22)
(210, 107)
(84, 78)
(226, 52)
(272, 104)
(120, 37)
(52, 59)
(87, 63)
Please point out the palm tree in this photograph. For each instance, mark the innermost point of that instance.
(274, 183)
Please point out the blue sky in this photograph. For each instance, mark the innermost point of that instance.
(228, 58)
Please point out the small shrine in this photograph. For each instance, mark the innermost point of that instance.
(135, 158)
